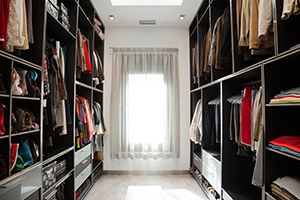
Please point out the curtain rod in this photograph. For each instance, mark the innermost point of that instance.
(144, 48)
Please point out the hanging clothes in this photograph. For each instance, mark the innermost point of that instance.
(83, 57)
(98, 75)
(61, 111)
(195, 64)
(15, 25)
(225, 43)
(25, 44)
(4, 16)
(196, 124)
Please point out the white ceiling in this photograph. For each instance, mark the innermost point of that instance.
(130, 15)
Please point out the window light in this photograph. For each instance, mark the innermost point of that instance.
(146, 2)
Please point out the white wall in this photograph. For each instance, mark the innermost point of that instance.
(150, 37)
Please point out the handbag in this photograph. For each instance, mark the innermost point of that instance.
(13, 155)
(19, 164)
(24, 151)
(2, 86)
(15, 80)
(22, 73)
(31, 82)
(34, 149)
(3, 169)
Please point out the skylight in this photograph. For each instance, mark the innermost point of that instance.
(146, 2)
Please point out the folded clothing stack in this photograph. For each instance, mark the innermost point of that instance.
(289, 96)
(289, 144)
(286, 188)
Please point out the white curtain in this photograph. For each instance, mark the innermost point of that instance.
(144, 113)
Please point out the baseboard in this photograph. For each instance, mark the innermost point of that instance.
(125, 172)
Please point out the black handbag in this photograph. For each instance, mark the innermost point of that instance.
(34, 149)
(3, 169)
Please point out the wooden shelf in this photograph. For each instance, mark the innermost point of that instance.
(4, 95)
(3, 136)
(26, 98)
(283, 153)
(282, 104)
(25, 132)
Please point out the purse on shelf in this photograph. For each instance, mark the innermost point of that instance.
(34, 150)
(13, 155)
(24, 151)
(22, 73)
(2, 128)
(31, 81)
(15, 81)
(3, 169)
(2, 86)
(19, 164)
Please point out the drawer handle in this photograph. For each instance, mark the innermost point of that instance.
(196, 159)
(51, 194)
(13, 182)
(83, 162)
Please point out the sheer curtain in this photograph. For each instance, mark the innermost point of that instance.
(145, 103)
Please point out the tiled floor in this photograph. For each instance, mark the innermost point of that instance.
(146, 187)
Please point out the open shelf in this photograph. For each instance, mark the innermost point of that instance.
(55, 153)
(56, 30)
(283, 153)
(242, 193)
(25, 132)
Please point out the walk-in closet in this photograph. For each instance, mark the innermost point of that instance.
(149, 99)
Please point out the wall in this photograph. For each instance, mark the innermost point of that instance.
(150, 37)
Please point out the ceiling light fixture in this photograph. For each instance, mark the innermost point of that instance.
(111, 17)
(146, 2)
(182, 17)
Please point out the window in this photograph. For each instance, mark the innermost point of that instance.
(144, 113)
(146, 109)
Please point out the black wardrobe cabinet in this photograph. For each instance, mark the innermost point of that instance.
(62, 153)
(274, 72)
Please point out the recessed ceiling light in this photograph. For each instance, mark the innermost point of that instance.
(111, 17)
(146, 2)
(182, 17)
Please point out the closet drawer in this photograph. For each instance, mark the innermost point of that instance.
(23, 186)
(83, 176)
(212, 178)
(211, 162)
(197, 162)
(81, 154)
(32, 182)
(82, 165)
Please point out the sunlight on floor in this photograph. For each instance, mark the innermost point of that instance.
(157, 193)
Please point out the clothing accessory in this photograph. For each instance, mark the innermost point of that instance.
(2, 128)
(2, 86)
(31, 82)
(19, 164)
(14, 154)
(34, 149)
(3, 168)
(24, 151)
(16, 90)
(22, 73)
(19, 115)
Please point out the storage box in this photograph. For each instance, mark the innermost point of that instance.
(52, 9)
(61, 168)
(49, 176)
